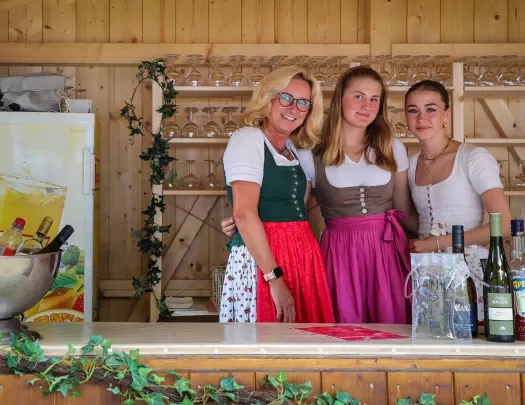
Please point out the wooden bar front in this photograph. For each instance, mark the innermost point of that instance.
(376, 371)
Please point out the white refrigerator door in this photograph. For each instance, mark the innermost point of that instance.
(47, 168)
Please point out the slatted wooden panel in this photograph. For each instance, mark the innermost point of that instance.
(504, 388)
(4, 36)
(199, 380)
(423, 24)
(368, 387)
(412, 384)
(294, 377)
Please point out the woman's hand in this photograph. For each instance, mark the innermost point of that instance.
(283, 300)
(423, 246)
(228, 226)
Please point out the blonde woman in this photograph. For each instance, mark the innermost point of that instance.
(267, 189)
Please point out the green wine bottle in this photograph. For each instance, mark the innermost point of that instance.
(499, 296)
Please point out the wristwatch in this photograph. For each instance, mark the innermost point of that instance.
(275, 273)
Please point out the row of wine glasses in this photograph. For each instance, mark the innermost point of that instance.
(209, 130)
(517, 182)
(191, 182)
(398, 70)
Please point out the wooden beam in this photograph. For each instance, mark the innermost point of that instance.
(180, 288)
(176, 251)
(460, 50)
(9, 4)
(458, 105)
(507, 126)
(132, 54)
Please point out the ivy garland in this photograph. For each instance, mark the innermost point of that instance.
(126, 376)
(158, 156)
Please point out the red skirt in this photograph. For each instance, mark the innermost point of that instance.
(297, 252)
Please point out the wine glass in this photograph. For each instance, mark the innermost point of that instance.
(190, 181)
(190, 130)
(230, 127)
(421, 73)
(518, 181)
(502, 177)
(400, 129)
(469, 77)
(256, 76)
(212, 181)
(211, 129)
(171, 129)
(315, 66)
(336, 73)
(217, 78)
(383, 71)
(442, 70)
(510, 77)
(195, 77)
(171, 72)
(400, 67)
(237, 78)
(488, 77)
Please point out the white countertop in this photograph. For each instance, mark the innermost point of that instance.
(258, 340)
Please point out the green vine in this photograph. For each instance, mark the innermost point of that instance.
(126, 376)
(158, 157)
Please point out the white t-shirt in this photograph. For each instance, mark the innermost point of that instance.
(244, 155)
(457, 199)
(352, 174)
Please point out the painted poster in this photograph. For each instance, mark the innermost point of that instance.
(45, 170)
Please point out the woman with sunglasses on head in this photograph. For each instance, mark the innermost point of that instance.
(267, 188)
(451, 183)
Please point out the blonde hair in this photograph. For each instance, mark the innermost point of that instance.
(378, 134)
(258, 109)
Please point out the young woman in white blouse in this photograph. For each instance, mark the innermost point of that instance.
(451, 183)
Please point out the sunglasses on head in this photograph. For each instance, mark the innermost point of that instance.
(286, 100)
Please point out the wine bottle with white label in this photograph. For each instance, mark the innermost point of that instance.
(499, 295)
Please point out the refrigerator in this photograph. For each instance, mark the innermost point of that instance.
(47, 168)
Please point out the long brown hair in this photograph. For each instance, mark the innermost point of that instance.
(378, 134)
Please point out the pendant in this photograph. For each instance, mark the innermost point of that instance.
(285, 152)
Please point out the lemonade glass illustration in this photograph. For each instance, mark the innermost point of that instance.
(32, 199)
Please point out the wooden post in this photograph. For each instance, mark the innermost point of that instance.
(458, 106)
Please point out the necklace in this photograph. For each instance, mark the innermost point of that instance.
(281, 151)
(439, 154)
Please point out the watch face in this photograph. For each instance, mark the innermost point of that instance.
(278, 272)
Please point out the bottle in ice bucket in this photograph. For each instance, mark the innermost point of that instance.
(11, 238)
(35, 243)
(517, 269)
(59, 240)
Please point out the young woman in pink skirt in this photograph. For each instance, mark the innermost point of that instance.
(358, 174)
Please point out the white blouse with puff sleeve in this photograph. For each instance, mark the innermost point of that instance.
(457, 199)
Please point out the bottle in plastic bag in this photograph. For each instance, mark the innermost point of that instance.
(11, 238)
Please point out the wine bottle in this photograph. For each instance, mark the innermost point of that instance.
(458, 246)
(517, 269)
(58, 241)
(35, 243)
(499, 295)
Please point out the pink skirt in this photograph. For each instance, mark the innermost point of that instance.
(367, 260)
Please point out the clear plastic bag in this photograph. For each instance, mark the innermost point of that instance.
(440, 306)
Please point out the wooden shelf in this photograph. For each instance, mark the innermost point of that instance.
(494, 91)
(194, 192)
(515, 193)
(496, 141)
(409, 141)
(199, 141)
(233, 91)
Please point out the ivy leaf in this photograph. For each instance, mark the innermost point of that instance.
(182, 386)
(18, 372)
(95, 340)
(115, 390)
(344, 397)
(186, 401)
(144, 371)
(11, 361)
(215, 397)
(87, 349)
(291, 390)
(33, 381)
(230, 385)
(274, 381)
(1, 337)
(355, 401)
(465, 403)
(120, 375)
(404, 401)
(128, 401)
(484, 400)
(281, 377)
(135, 354)
(106, 345)
(155, 398)
(427, 399)
(156, 379)
(174, 374)
(70, 349)
(325, 397)
(76, 394)
(305, 389)
(337, 402)
(64, 389)
(231, 396)
(139, 382)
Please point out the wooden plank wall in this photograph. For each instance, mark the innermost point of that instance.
(124, 178)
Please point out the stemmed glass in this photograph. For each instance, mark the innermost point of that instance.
(217, 78)
(518, 181)
(383, 71)
(336, 73)
(171, 71)
(511, 75)
(315, 66)
(401, 76)
(469, 77)
(488, 77)
(211, 129)
(237, 78)
(212, 181)
(442, 70)
(256, 76)
(171, 129)
(421, 73)
(190, 181)
(400, 129)
(230, 127)
(190, 130)
(195, 77)
(503, 179)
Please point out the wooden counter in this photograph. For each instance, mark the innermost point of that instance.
(376, 372)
